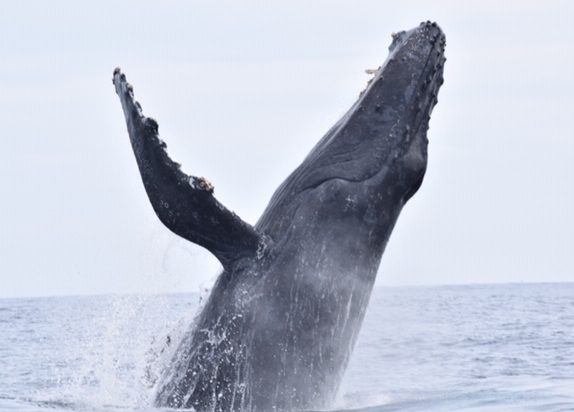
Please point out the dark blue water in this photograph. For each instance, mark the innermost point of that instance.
(451, 348)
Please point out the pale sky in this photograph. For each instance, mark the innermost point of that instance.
(242, 90)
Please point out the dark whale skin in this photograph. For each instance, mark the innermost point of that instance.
(278, 329)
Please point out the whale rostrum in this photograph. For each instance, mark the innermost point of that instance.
(278, 328)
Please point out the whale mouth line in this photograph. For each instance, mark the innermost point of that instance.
(435, 79)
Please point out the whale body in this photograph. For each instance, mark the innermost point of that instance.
(278, 328)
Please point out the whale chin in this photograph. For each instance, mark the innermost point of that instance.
(278, 328)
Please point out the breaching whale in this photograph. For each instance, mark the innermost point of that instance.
(278, 328)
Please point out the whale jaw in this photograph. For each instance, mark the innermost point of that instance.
(379, 147)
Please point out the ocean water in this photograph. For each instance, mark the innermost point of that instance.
(450, 348)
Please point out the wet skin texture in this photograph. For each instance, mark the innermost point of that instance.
(279, 326)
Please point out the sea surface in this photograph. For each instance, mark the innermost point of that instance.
(449, 348)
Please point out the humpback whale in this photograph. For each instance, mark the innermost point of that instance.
(278, 328)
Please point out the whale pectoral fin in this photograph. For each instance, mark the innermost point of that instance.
(185, 204)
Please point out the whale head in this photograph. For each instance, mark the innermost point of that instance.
(377, 152)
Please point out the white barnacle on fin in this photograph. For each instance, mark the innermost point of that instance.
(201, 183)
(205, 184)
